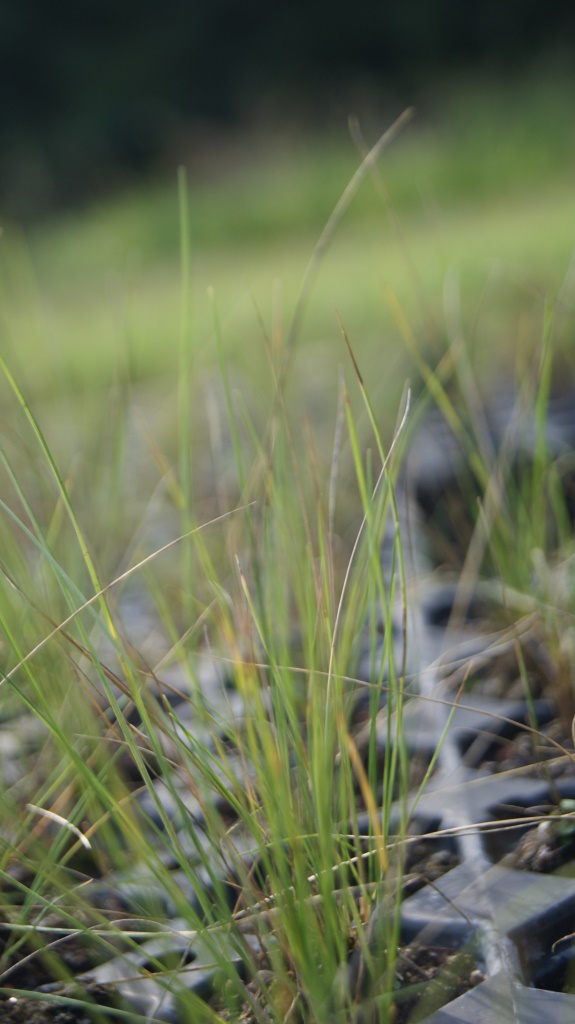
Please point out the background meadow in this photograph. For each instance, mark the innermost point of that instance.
(464, 229)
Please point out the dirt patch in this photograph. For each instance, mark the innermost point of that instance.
(23, 1010)
(541, 748)
(429, 977)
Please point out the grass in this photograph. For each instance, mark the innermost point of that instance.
(236, 530)
(269, 768)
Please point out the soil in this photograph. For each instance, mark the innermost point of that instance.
(29, 969)
(426, 861)
(541, 749)
(38, 1011)
(436, 975)
(545, 847)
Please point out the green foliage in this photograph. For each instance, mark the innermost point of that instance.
(255, 541)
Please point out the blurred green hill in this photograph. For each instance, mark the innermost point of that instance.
(94, 94)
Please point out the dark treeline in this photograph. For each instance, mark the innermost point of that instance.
(95, 90)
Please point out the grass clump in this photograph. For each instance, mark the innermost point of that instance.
(202, 791)
(192, 826)
(252, 781)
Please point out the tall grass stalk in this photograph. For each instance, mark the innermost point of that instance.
(184, 390)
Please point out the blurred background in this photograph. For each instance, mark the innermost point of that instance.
(466, 229)
(98, 94)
